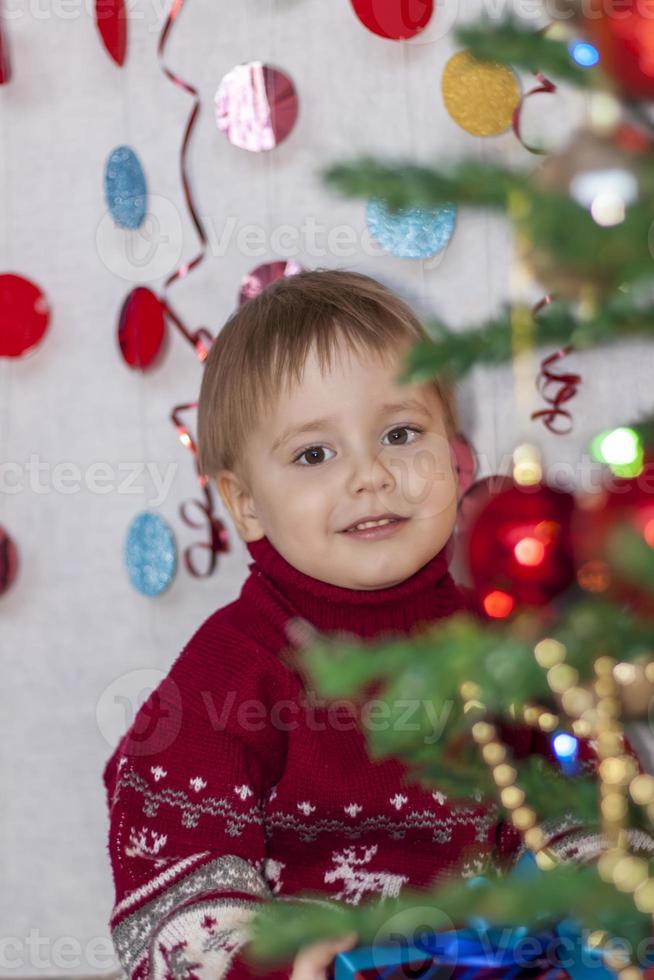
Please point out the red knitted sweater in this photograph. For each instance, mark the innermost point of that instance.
(230, 788)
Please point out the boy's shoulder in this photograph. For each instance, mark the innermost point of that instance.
(226, 642)
(222, 663)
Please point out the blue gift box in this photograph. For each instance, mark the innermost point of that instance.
(480, 951)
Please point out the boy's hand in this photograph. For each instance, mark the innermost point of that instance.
(312, 962)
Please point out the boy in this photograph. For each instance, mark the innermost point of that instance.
(340, 480)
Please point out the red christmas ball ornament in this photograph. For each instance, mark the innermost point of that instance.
(599, 516)
(520, 548)
(624, 38)
(473, 498)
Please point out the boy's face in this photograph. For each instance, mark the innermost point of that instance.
(303, 491)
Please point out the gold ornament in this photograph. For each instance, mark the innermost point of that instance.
(480, 96)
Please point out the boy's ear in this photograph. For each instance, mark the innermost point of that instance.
(239, 502)
(455, 469)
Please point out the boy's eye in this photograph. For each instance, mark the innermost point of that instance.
(402, 428)
(315, 451)
(311, 451)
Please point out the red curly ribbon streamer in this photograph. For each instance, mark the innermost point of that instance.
(217, 532)
(200, 339)
(567, 389)
(545, 86)
(568, 384)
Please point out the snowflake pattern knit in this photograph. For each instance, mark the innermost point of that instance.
(234, 787)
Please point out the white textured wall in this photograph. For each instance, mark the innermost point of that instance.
(72, 625)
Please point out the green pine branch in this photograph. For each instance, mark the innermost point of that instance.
(561, 230)
(512, 43)
(280, 929)
(455, 353)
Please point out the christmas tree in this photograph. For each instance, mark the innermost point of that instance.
(565, 580)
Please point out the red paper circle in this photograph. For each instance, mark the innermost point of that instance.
(520, 548)
(24, 315)
(257, 280)
(141, 328)
(8, 561)
(394, 19)
(111, 20)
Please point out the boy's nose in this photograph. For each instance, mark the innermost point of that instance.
(369, 473)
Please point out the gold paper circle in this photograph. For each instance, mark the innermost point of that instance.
(479, 95)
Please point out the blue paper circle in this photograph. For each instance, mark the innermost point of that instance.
(124, 187)
(150, 553)
(411, 233)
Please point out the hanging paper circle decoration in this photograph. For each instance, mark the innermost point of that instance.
(111, 21)
(125, 188)
(256, 281)
(394, 19)
(24, 315)
(481, 96)
(256, 106)
(5, 64)
(465, 462)
(141, 328)
(8, 561)
(411, 233)
(150, 553)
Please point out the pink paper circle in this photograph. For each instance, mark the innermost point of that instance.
(466, 462)
(257, 280)
(256, 106)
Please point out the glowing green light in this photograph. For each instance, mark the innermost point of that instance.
(621, 449)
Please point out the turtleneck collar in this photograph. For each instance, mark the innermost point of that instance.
(282, 591)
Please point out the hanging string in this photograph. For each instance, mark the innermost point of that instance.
(412, 144)
(485, 217)
(139, 379)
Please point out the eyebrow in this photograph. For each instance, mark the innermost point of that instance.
(323, 423)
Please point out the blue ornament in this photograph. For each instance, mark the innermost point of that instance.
(125, 188)
(583, 53)
(150, 553)
(411, 233)
(566, 748)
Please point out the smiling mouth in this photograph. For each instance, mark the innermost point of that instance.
(378, 529)
(368, 525)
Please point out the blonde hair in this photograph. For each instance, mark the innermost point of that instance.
(265, 343)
